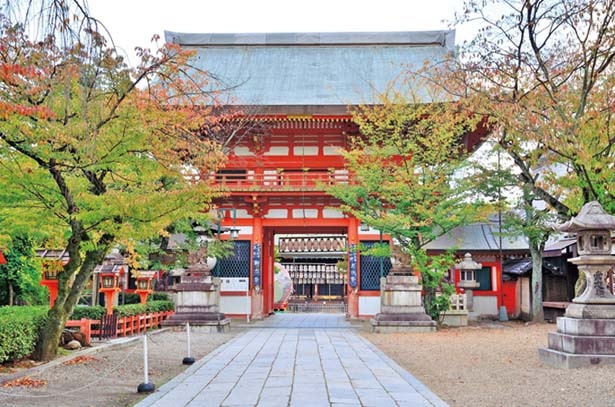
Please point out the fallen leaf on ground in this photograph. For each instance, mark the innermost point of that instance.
(80, 359)
(25, 382)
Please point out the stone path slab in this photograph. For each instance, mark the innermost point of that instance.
(295, 360)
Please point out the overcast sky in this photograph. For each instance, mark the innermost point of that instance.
(134, 22)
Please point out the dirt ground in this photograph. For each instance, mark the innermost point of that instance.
(492, 364)
(496, 365)
(110, 378)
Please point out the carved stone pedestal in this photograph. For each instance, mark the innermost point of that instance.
(401, 309)
(198, 302)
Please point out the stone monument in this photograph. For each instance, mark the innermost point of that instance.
(401, 308)
(586, 333)
(198, 296)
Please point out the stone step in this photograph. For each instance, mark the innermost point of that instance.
(565, 360)
(586, 344)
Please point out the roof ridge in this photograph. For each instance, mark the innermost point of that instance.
(445, 38)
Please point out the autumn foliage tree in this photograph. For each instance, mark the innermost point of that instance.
(404, 163)
(93, 151)
(542, 72)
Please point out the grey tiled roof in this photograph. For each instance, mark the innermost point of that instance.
(314, 69)
(477, 237)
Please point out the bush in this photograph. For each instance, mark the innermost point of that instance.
(158, 297)
(131, 298)
(156, 306)
(121, 310)
(129, 310)
(84, 311)
(19, 328)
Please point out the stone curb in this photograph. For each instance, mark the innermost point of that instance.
(113, 344)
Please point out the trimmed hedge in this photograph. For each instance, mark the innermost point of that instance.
(85, 311)
(133, 298)
(122, 310)
(160, 305)
(19, 328)
(158, 296)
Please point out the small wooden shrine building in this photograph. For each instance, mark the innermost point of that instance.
(298, 88)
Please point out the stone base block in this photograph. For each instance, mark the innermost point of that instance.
(454, 318)
(402, 309)
(208, 322)
(405, 322)
(590, 311)
(591, 327)
(563, 360)
(402, 326)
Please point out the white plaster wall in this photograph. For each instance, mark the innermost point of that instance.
(277, 151)
(487, 305)
(305, 213)
(243, 151)
(243, 214)
(305, 150)
(332, 214)
(235, 304)
(277, 214)
(331, 150)
(369, 305)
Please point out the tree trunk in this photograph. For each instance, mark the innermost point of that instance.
(11, 292)
(537, 312)
(68, 295)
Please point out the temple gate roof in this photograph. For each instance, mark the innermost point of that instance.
(313, 69)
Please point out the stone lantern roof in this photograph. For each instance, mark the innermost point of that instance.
(468, 263)
(591, 217)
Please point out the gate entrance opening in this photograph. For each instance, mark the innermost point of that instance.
(310, 272)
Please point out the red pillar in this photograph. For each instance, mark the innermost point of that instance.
(257, 241)
(353, 296)
(267, 262)
(52, 286)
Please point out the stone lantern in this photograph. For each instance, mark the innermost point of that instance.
(593, 227)
(586, 333)
(144, 285)
(467, 272)
(467, 269)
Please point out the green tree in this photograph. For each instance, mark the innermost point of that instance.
(404, 164)
(94, 152)
(20, 276)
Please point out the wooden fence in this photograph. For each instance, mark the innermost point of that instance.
(125, 326)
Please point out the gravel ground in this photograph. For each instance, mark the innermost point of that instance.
(492, 364)
(111, 379)
(496, 364)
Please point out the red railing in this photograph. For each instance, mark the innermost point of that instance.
(309, 180)
(126, 326)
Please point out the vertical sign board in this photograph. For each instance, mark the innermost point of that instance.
(352, 266)
(256, 265)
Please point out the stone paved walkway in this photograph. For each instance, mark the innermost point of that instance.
(295, 360)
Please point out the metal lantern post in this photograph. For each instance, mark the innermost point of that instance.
(144, 285)
(109, 286)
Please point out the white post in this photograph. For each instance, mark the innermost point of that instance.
(145, 367)
(188, 335)
(146, 386)
(188, 360)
